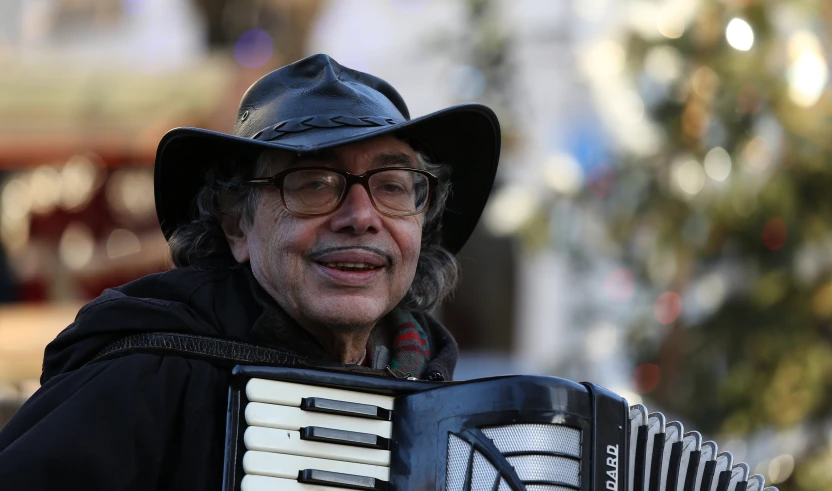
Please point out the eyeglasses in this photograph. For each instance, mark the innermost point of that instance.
(311, 191)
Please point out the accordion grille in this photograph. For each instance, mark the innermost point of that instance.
(550, 468)
(528, 438)
(546, 487)
(459, 454)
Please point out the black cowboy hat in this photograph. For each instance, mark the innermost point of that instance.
(315, 104)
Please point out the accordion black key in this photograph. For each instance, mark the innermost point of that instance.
(297, 429)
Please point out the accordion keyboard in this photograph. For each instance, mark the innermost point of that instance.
(304, 437)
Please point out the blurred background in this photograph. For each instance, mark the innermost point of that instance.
(661, 225)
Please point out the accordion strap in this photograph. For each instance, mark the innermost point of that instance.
(213, 349)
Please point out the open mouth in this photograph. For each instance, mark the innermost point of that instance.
(350, 266)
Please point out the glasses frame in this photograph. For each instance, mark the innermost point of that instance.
(363, 179)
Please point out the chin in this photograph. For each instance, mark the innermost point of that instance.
(350, 311)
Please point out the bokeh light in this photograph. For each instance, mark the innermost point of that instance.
(619, 285)
(710, 292)
(80, 177)
(663, 63)
(780, 468)
(718, 164)
(667, 307)
(16, 198)
(601, 180)
(562, 173)
(739, 34)
(646, 377)
(774, 234)
(808, 74)
(509, 209)
(670, 24)
(254, 48)
(602, 341)
(45, 183)
(76, 246)
(689, 176)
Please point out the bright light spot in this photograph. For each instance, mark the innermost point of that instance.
(604, 58)
(510, 209)
(670, 24)
(122, 243)
(739, 34)
(76, 246)
(710, 292)
(619, 285)
(130, 193)
(14, 233)
(774, 234)
(631, 397)
(563, 174)
(718, 164)
(646, 378)
(79, 177)
(780, 468)
(254, 48)
(801, 42)
(602, 341)
(663, 63)
(16, 201)
(689, 176)
(807, 75)
(667, 307)
(45, 183)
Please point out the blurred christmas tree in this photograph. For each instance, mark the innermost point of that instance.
(728, 220)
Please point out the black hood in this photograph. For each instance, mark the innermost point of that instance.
(216, 298)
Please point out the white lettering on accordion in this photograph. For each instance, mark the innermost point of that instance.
(612, 472)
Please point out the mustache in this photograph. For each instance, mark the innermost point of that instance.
(318, 253)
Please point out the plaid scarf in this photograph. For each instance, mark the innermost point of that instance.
(411, 347)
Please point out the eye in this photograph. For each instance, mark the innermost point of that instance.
(317, 184)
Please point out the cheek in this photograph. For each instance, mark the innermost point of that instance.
(410, 243)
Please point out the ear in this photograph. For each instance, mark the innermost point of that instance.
(237, 238)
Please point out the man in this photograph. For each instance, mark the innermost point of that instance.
(321, 233)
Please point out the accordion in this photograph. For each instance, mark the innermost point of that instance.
(313, 430)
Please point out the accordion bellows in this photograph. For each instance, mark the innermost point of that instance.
(297, 429)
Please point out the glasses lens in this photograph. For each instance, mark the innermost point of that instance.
(399, 192)
(308, 191)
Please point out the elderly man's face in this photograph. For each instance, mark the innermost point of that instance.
(300, 260)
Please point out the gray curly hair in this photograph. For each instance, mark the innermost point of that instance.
(437, 271)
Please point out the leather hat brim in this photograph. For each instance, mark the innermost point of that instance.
(466, 137)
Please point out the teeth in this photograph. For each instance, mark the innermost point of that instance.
(350, 266)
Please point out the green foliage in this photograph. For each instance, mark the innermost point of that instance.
(763, 358)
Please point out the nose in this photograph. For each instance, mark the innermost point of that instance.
(356, 214)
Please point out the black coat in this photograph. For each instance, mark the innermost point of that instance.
(149, 421)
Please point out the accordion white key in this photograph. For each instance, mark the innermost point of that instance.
(298, 429)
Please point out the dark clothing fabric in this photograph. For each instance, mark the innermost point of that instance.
(148, 421)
